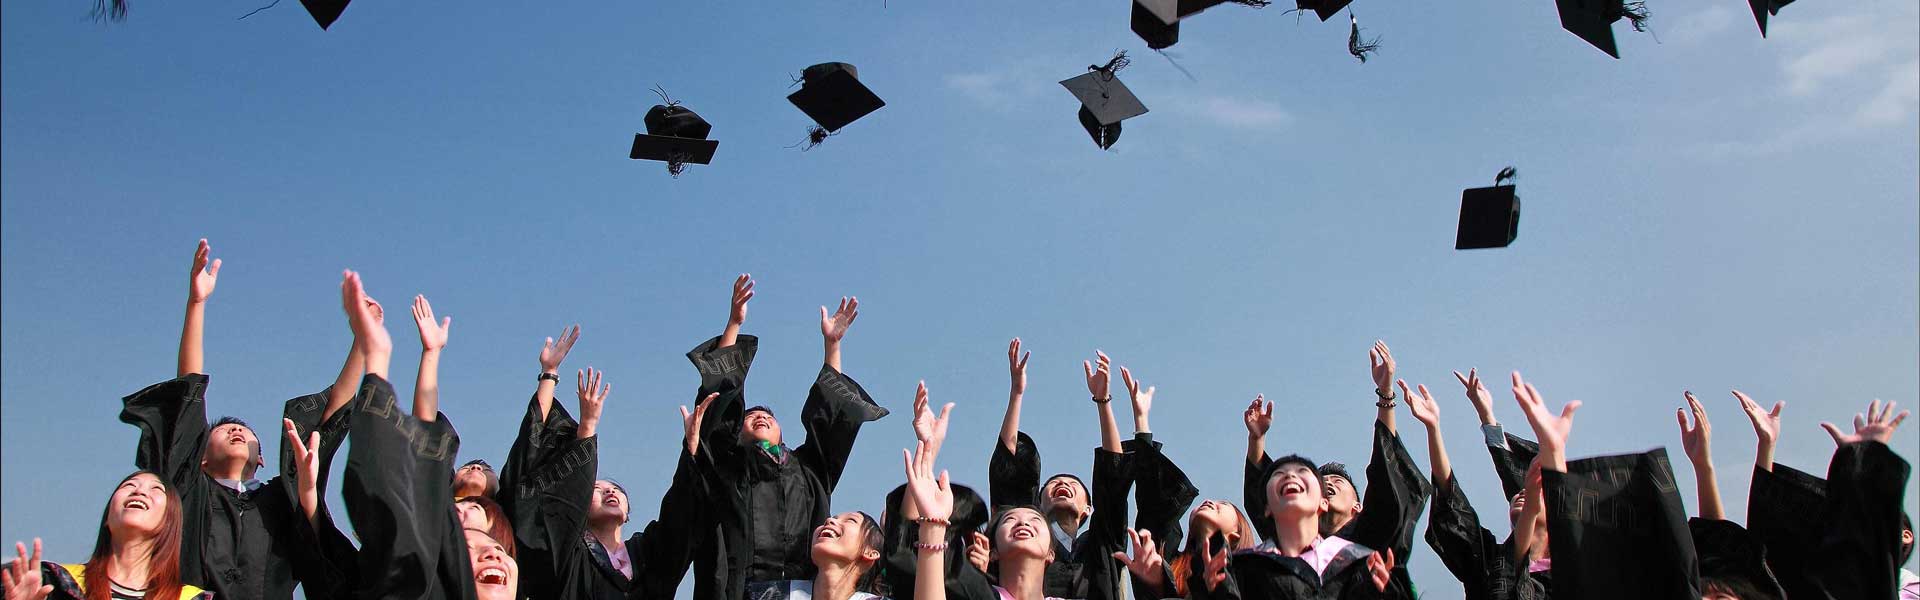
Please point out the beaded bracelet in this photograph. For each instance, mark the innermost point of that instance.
(940, 522)
(923, 546)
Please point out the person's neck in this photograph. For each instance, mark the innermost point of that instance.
(236, 471)
(1068, 520)
(1333, 521)
(1293, 535)
(131, 562)
(1026, 578)
(608, 534)
(1539, 548)
(836, 581)
(469, 490)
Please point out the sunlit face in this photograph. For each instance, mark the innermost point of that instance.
(1294, 489)
(609, 503)
(1065, 495)
(495, 574)
(1342, 499)
(473, 516)
(842, 540)
(232, 443)
(1022, 533)
(138, 508)
(1215, 516)
(472, 477)
(759, 426)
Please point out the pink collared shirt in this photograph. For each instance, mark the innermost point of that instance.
(1319, 554)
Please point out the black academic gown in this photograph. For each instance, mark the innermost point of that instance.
(1838, 538)
(1485, 567)
(899, 561)
(1162, 495)
(401, 504)
(722, 371)
(552, 498)
(1086, 570)
(766, 506)
(1618, 530)
(234, 544)
(1395, 497)
(1261, 574)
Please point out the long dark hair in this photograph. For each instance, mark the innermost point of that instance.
(163, 563)
(1179, 567)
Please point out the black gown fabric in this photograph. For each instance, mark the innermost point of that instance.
(1261, 574)
(1162, 495)
(899, 561)
(234, 544)
(1618, 530)
(553, 493)
(1485, 567)
(1391, 506)
(1842, 535)
(767, 507)
(722, 371)
(400, 501)
(1730, 554)
(1087, 570)
(1511, 463)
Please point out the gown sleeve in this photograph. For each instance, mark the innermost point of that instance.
(325, 559)
(1107, 528)
(1786, 512)
(1253, 492)
(723, 371)
(1013, 478)
(668, 541)
(1859, 553)
(1396, 496)
(1617, 530)
(552, 500)
(1467, 549)
(1162, 496)
(397, 494)
(172, 417)
(1511, 463)
(836, 408)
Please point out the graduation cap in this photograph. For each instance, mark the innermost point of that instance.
(325, 12)
(1762, 8)
(1593, 20)
(831, 94)
(675, 135)
(1147, 23)
(1104, 100)
(1325, 8)
(1172, 11)
(1489, 216)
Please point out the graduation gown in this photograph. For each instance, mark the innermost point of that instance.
(1086, 570)
(722, 371)
(1852, 539)
(1260, 573)
(69, 582)
(899, 561)
(1395, 497)
(1162, 495)
(400, 502)
(234, 544)
(1618, 530)
(767, 506)
(552, 498)
(1485, 567)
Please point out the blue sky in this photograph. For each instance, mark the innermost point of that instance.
(1712, 211)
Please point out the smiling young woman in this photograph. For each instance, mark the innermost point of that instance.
(136, 555)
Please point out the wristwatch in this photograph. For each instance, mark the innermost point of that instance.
(545, 376)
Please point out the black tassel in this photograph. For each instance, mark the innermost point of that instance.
(105, 10)
(1113, 66)
(1252, 3)
(662, 93)
(1636, 13)
(1506, 176)
(677, 163)
(815, 135)
(1357, 47)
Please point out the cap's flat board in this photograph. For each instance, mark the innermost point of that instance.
(1109, 99)
(664, 148)
(836, 100)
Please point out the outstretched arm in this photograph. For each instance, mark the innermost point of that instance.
(932, 496)
(1142, 401)
(370, 339)
(1766, 427)
(593, 395)
(1017, 370)
(1258, 417)
(1098, 381)
(433, 337)
(1552, 430)
(737, 316)
(1381, 361)
(307, 456)
(199, 286)
(1697, 441)
(551, 355)
(1427, 412)
(833, 327)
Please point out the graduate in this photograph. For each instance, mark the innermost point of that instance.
(240, 538)
(135, 555)
(1160, 563)
(1297, 563)
(968, 553)
(1487, 568)
(1396, 493)
(1733, 563)
(413, 544)
(768, 496)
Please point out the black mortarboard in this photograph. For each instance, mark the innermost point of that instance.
(1489, 216)
(1325, 8)
(1593, 20)
(1157, 33)
(832, 95)
(325, 12)
(1762, 8)
(1172, 11)
(1104, 100)
(675, 135)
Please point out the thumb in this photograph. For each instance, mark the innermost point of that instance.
(1832, 431)
(446, 322)
(214, 269)
(1120, 556)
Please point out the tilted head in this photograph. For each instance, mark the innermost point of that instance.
(496, 576)
(1343, 499)
(231, 442)
(849, 538)
(1064, 496)
(758, 425)
(142, 509)
(476, 478)
(1223, 518)
(1294, 490)
(482, 513)
(1020, 533)
(609, 504)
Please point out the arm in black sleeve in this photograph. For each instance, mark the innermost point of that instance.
(536, 442)
(325, 559)
(1107, 528)
(1253, 492)
(1013, 478)
(1455, 534)
(1396, 495)
(668, 540)
(172, 417)
(723, 371)
(1164, 492)
(1786, 511)
(552, 500)
(397, 494)
(1859, 554)
(1510, 462)
(836, 408)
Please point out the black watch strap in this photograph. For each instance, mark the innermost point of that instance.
(545, 376)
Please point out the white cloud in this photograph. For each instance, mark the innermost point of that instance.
(1698, 27)
(1896, 100)
(1235, 113)
(1854, 74)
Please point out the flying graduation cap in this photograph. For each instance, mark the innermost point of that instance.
(674, 135)
(1762, 8)
(1104, 100)
(1157, 22)
(1593, 20)
(1489, 216)
(1326, 9)
(831, 94)
(325, 12)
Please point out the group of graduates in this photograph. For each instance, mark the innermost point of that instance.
(749, 515)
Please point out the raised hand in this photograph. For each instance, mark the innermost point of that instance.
(1101, 378)
(1877, 425)
(833, 327)
(1697, 437)
(21, 579)
(933, 496)
(1766, 427)
(1477, 394)
(370, 337)
(1146, 562)
(1259, 417)
(1424, 409)
(930, 430)
(1381, 359)
(742, 292)
(1381, 569)
(553, 353)
(1552, 430)
(593, 396)
(1216, 569)
(1017, 366)
(1142, 400)
(433, 334)
(978, 552)
(690, 422)
(306, 457)
(205, 274)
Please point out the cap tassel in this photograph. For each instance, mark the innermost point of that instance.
(251, 12)
(114, 10)
(1636, 13)
(1113, 66)
(1357, 47)
(1506, 176)
(1252, 3)
(677, 163)
(815, 135)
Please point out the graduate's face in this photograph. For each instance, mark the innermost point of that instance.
(473, 516)
(232, 443)
(473, 477)
(1022, 533)
(1342, 499)
(843, 540)
(495, 574)
(138, 508)
(1063, 494)
(759, 426)
(1216, 516)
(609, 503)
(1295, 489)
